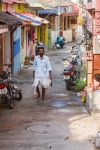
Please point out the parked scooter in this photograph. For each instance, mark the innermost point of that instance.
(74, 50)
(14, 90)
(5, 94)
(71, 73)
(60, 42)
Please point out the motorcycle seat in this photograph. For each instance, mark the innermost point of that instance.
(69, 68)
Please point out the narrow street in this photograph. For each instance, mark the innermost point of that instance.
(61, 122)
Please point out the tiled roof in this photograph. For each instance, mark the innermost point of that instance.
(9, 20)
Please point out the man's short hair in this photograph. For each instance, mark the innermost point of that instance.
(40, 47)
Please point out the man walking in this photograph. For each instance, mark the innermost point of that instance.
(42, 73)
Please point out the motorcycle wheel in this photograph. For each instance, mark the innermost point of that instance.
(10, 101)
(78, 75)
(18, 95)
(68, 86)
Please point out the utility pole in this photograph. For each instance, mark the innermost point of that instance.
(59, 5)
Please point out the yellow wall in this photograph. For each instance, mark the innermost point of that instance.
(19, 7)
(42, 33)
(46, 34)
(38, 33)
(0, 6)
(35, 32)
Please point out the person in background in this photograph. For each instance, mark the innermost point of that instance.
(42, 72)
(31, 50)
(60, 40)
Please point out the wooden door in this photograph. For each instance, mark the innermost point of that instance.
(96, 64)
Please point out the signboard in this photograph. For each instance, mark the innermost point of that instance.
(79, 20)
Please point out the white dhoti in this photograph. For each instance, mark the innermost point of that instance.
(44, 82)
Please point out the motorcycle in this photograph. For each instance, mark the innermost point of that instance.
(14, 90)
(71, 73)
(39, 44)
(5, 94)
(59, 42)
(74, 50)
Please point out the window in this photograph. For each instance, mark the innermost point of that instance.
(69, 9)
(73, 20)
(19, 6)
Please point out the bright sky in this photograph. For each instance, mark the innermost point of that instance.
(75, 1)
(36, 1)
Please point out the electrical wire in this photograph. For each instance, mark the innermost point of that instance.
(56, 3)
(49, 13)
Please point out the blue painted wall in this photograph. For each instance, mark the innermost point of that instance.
(16, 50)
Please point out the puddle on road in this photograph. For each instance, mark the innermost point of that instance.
(58, 103)
(73, 110)
(61, 94)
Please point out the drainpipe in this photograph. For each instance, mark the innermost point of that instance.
(92, 44)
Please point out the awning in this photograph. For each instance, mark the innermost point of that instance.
(42, 20)
(53, 11)
(9, 20)
(36, 21)
(24, 20)
(29, 17)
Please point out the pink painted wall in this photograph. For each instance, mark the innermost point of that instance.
(97, 5)
(97, 23)
(97, 17)
(75, 9)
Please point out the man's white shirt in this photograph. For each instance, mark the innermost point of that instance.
(42, 66)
